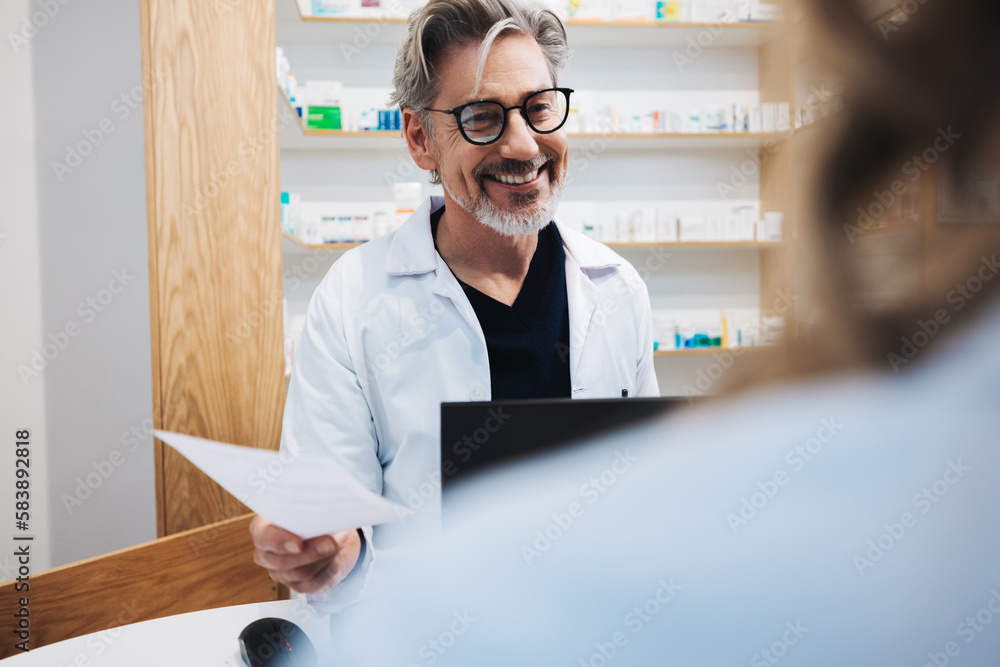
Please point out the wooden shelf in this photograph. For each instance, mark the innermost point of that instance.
(706, 350)
(701, 244)
(295, 136)
(318, 246)
(293, 25)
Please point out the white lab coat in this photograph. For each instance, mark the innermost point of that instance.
(390, 335)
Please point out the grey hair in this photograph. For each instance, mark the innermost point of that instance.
(441, 26)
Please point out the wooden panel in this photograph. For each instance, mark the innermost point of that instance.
(199, 569)
(214, 238)
(778, 178)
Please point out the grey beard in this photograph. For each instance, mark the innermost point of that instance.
(512, 223)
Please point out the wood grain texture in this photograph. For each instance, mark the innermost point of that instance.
(214, 238)
(204, 568)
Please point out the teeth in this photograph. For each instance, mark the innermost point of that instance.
(516, 179)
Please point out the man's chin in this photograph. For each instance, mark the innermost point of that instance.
(517, 220)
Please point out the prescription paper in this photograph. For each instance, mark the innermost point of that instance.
(306, 495)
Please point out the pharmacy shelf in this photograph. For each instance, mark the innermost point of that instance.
(300, 139)
(295, 136)
(699, 244)
(359, 31)
(706, 350)
(301, 245)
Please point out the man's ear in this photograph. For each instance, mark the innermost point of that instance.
(419, 141)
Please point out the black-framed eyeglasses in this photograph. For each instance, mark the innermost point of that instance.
(483, 122)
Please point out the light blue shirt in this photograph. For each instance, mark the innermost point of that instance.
(850, 522)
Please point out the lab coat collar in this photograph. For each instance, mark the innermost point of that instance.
(412, 251)
(588, 255)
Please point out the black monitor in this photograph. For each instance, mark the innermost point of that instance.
(475, 436)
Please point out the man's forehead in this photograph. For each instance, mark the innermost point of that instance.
(515, 67)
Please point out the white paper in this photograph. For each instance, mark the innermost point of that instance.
(306, 495)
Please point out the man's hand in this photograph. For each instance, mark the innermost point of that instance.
(305, 566)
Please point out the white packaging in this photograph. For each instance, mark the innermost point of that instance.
(363, 228)
(782, 117)
(746, 222)
(407, 198)
(329, 231)
(760, 11)
(322, 93)
(713, 11)
(713, 119)
(345, 228)
(692, 228)
(626, 10)
(666, 227)
(380, 223)
(334, 7)
(772, 226)
(664, 331)
(768, 113)
(733, 231)
(623, 227)
(692, 121)
(714, 230)
(646, 227)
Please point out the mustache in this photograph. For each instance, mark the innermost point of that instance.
(518, 167)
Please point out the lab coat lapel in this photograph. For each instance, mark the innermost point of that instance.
(446, 285)
(582, 297)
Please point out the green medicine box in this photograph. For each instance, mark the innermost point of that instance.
(323, 118)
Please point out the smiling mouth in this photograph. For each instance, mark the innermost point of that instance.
(514, 179)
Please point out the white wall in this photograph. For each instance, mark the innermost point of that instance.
(21, 406)
(88, 293)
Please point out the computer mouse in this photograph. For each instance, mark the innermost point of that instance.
(276, 642)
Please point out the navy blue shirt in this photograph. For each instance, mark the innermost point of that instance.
(528, 342)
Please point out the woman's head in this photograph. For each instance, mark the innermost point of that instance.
(921, 108)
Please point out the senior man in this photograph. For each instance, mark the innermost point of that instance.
(478, 296)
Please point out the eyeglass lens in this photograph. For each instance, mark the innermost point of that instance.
(483, 122)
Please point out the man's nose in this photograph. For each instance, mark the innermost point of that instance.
(518, 141)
